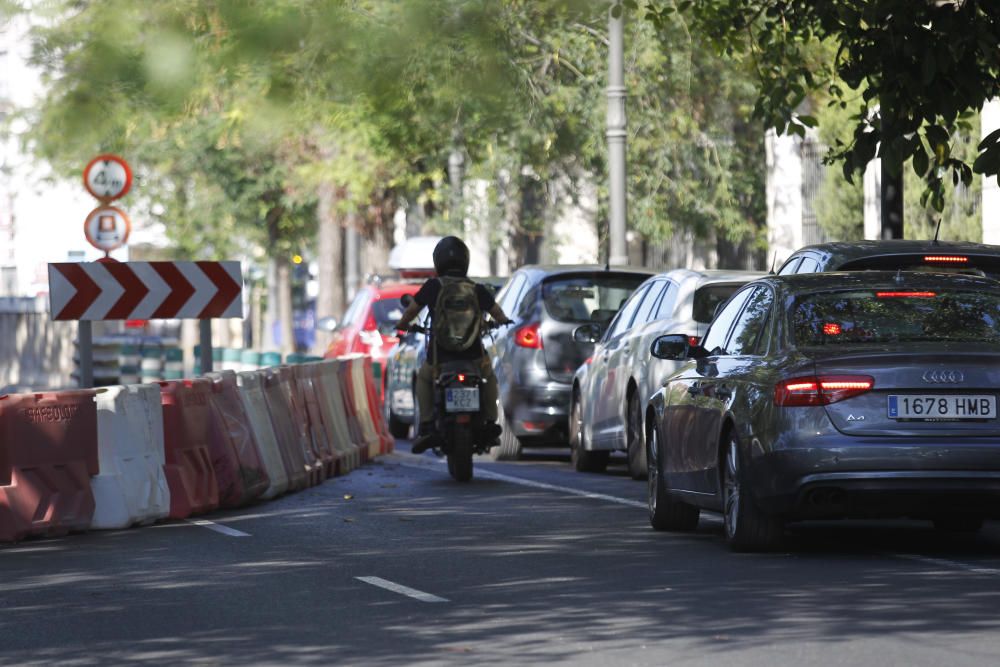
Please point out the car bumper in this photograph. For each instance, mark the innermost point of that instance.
(872, 478)
(539, 411)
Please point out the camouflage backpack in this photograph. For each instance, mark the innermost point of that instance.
(457, 316)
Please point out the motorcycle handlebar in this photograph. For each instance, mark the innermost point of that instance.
(490, 325)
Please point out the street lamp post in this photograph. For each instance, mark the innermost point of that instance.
(616, 132)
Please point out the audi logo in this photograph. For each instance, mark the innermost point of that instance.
(944, 377)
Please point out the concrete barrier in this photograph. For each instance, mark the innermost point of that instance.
(131, 487)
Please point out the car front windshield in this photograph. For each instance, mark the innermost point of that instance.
(859, 317)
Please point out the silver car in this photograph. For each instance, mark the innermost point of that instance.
(611, 388)
(833, 395)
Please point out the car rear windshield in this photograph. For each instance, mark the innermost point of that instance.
(981, 265)
(707, 299)
(387, 312)
(588, 298)
(896, 316)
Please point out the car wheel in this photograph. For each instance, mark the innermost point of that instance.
(509, 448)
(398, 429)
(958, 523)
(665, 512)
(747, 528)
(637, 467)
(582, 459)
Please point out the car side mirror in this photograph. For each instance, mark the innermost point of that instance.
(406, 300)
(672, 347)
(587, 333)
(327, 324)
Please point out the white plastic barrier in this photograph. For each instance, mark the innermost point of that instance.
(332, 403)
(252, 395)
(131, 487)
(364, 411)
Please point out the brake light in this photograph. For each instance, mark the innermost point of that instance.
(461, 377)
(821, 390)
(586, 362)
(946, 259)
(832, 329)
(905, 295)
(529, 336)
(693, 341)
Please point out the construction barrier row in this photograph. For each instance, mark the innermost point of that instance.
(120, 456)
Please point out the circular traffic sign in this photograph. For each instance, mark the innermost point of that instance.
(107, 228)
(107, 177)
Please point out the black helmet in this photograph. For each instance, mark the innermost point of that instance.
(451, 257)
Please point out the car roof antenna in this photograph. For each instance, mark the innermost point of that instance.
(937, 230)
(774, 260)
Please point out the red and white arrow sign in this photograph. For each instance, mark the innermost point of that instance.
(145, 290)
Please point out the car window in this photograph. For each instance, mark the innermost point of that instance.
(941, 262)
(624, 319)
(718, 332)
(750, 323)
(707, 299)
(807, 265)
(665, 308)
(592, 297)
(645, 312)
(356, 310)
(387, 312)
(509, 294)
(789, 267)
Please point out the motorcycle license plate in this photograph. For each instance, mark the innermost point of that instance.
(461, 399)
(949, 407)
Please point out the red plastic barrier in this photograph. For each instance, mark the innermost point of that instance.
(346, 378)
(320, 432)
(375, 407)
(187, 418)
(48, 451)
(314, 462)
(239, 467)
(290, 438)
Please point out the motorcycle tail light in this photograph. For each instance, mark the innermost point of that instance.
(820, 390)
(529, 336)
(461, 377)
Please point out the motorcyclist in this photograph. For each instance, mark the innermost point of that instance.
(451, 258)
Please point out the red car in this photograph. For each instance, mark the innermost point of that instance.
(367, 326)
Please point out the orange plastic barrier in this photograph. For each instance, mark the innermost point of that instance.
(187, 418)
(361, 439)
(314, 462)
(319, 431)
(48, 451)
(375, 406)
(327, 384)
(358, 397)
(290, 437)
(239, 467)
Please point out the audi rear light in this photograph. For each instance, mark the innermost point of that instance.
(820, 390)
(529, 336)
(945, 259)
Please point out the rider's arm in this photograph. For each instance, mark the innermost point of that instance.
(496, 312)
(411, 312)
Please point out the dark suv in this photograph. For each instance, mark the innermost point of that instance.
(956, 256)
(535, 359)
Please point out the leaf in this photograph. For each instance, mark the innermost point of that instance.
(921, 163)
(808, 121)
(989, 140)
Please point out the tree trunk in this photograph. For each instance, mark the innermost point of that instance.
(330, 300)
(284, 286)
(279, 332)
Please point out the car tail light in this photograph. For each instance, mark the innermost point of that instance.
(905, 295)
(529, 336)
(693, 341)
(946, 259)
(820, 390)
(587, 361)
(832, 329)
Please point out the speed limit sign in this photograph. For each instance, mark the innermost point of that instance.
(107, 177)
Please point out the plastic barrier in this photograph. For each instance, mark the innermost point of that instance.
(300, 419)
(344, 385)
(48, 451)
(187, 417)
(236, 458)
(131, 487)
(289, 435)
(320, 434)
(366, 376)
(327, 384)
(357, 397)
(251, 390)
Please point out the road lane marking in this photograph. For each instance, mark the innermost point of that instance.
(401, 589)
(949, 564)
(218, 527)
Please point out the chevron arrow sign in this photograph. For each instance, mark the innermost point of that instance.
(145, 290)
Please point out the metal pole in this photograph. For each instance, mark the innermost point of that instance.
(616, 133)
(85, 338)
(205, 329)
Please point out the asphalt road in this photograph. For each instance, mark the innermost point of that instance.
(531, 563)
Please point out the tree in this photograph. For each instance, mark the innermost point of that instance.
(915, 71)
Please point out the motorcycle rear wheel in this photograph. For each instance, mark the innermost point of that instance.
(460, 455)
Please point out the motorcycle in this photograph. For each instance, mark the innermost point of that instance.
(458, 421)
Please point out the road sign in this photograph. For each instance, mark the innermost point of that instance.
(145, 290)
(107, 177)
(107, 228)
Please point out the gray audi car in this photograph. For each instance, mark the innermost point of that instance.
(856, 394)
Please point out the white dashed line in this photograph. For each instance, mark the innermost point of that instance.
(218, 527)
(401, 589)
